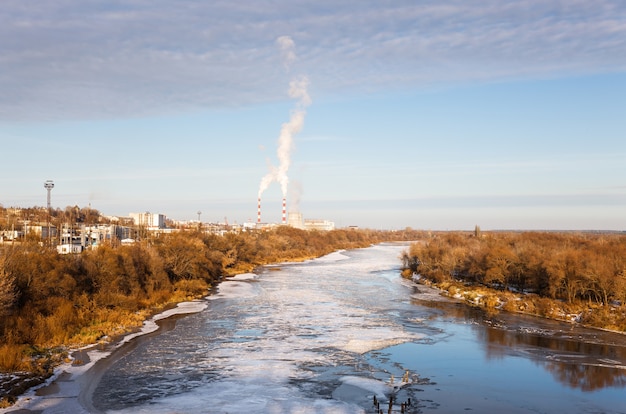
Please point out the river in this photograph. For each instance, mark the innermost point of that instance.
(328, 336)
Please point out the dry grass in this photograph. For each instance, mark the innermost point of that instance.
(490, 301)
(13, 358)
(191, 288)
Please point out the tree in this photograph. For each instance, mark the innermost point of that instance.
(499, 263)
(410, 261)
(7, 290)
(599, 275)
(477, 232)
(565, 274)
(186, 257)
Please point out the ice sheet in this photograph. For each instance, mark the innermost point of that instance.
(66, 382)
(266, 337)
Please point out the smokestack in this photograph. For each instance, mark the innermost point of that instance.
(298, 90)
(258, 212)
(284, 210)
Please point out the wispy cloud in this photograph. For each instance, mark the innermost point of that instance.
(67, 59)
(485, 201)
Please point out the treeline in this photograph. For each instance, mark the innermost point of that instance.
(47, 299)
(85, 215)
(581, 267)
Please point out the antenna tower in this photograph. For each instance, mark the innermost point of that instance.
(49, 185)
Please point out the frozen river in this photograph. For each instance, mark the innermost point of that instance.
(326, 336)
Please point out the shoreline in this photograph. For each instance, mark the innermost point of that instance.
(73, 382)
(22, 387)
(71, 386)
(473, 296)
(91, 378)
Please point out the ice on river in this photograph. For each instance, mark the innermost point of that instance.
(268, 342)
(326, 336)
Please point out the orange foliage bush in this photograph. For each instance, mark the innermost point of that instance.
(564, 270)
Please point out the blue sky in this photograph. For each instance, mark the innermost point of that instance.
(431, 114)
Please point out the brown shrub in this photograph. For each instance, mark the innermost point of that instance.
(192, 288)
(407, 273)
(490, 301)
(545, 307)
(13, 358)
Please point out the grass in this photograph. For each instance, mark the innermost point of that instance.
(14, 358)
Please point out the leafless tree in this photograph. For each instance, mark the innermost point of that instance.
(7, 290)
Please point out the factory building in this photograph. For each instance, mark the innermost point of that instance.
(317, 224)
(295, 220)
(292, 219)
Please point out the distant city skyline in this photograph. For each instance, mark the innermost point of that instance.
(440, 115)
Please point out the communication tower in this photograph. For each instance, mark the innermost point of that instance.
(49, 185)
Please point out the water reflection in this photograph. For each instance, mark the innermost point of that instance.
(579, 358)
(586, 377)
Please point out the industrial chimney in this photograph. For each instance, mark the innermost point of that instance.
(284, 210)
(258, 213)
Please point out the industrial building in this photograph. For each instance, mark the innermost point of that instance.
(318, 224)
(75, 240)
(294, 219)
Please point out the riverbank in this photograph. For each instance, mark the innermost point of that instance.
(39, 364)
(608, 318)
(101, 336)
(283, 342)
(73, 368)
(69, 388)
(577, 277)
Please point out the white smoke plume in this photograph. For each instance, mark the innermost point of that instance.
(287, 46)
(297, 90)
(295, 194)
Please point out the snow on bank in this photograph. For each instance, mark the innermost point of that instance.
(61, 392)
(332, 257)
(236, 287)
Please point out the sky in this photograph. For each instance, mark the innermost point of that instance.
(434, 114)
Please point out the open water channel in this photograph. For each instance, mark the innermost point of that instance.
(326, 336)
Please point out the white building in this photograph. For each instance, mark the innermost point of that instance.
(41, 230)
(316, 224)
(69, 248)
(294, 219)
(152, 221)
(97, 234)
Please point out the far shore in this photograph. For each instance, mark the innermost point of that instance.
(506, 301)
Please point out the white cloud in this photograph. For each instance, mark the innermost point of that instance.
(67, 59)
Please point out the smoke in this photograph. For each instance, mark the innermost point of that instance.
(297, 90)
(295, 194)
(287, 46)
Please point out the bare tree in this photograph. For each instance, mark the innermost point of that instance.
(7, 290)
